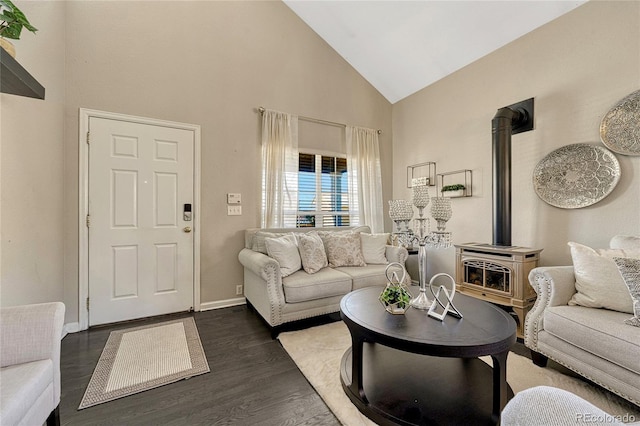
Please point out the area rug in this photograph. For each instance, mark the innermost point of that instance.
(318, 352)
(141, 358)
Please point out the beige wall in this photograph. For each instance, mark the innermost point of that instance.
(212, 64)
(32, 191)
(576, 67)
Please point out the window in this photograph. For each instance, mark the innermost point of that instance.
(323, 198)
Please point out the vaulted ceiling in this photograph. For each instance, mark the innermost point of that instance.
(401, 47)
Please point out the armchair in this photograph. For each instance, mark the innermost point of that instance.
(30, 364)
(593, 342)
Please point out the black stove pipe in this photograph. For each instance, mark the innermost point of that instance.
(501, 129)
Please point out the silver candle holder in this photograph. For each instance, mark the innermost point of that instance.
(441, 211)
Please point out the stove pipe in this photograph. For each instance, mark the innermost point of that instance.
(501, 129)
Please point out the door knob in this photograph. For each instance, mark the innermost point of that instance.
(187, 229)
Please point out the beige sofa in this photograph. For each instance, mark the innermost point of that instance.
(30, 358)
(302, 295)
(594, 342)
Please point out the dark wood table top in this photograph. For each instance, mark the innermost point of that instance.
(485, 329)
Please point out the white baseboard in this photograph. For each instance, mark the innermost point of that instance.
(72, 327)
(207, 306)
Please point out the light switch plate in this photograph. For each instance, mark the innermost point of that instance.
(234, 210)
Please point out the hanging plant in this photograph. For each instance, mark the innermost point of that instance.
(13, 20)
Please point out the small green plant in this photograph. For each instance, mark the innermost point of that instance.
(395, 295)
(13, 20)
(455, 187)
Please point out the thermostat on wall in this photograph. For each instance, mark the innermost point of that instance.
(234, 198)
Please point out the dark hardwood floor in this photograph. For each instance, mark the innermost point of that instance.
(252, 380)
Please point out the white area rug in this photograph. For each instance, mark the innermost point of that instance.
(141, 358)
(318, 351)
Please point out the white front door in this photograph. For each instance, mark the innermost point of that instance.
(140, 244)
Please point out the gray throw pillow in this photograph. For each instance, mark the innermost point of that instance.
(344, 249)
(630, 270)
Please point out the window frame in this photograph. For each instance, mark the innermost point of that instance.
(319, 214)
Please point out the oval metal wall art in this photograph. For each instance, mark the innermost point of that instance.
(576, 176)
(620, 127)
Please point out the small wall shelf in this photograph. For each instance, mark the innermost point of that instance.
(15, 80)
(423, 170)
(463, 177)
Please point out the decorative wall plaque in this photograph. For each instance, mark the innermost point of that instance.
(620, 127)
(576, 176)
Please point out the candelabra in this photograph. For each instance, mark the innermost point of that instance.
(401, 213)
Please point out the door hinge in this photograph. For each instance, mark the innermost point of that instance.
(88, 137)
(87, 303)
(88, 221)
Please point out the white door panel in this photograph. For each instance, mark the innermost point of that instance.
(140, 258)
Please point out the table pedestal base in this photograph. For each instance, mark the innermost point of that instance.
(409, 389)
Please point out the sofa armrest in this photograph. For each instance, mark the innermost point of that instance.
(260, 264)
(396, 254)
(554, 286)
(32, 333)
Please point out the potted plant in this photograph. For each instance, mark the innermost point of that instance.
(12, 22)
(395, 297)
(455, 190)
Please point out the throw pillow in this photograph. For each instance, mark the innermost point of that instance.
(343, 249)
(285, 251)
(257, 244)
(630, 271)
(598, 282)
(625, 242)
(374, 248)
(312, 252)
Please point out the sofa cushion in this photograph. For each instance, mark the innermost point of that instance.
(630, 271)
(365, 276)
(285, 251)
(300, 286)
(598, 331)
(374, 247)
(312, 253)
(22, 386)
(598, 282)
(343, 249)
(370, 275)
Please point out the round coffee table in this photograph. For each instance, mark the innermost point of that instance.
(412, 369)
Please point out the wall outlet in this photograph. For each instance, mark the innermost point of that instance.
(234, 210)
(239, 290)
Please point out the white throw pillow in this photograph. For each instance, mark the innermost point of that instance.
(285, 251)
(625, 242)
(374, 248)
(312, 252)
(598, 281)
(630, 271)
(259, 237)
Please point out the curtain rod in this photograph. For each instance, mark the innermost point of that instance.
(261, 110)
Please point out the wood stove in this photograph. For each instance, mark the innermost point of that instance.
(498, 274)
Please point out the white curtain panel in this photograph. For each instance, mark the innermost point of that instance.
(365, 178)
(279, 169)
